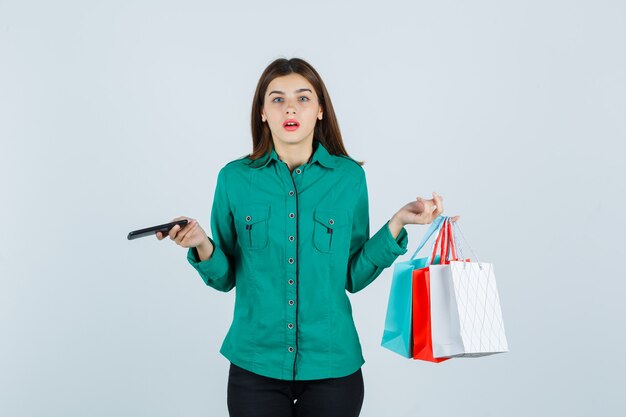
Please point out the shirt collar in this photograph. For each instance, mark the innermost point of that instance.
(320, 155)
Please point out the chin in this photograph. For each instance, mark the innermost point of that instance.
(292, 140)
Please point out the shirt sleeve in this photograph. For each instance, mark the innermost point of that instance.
(370, 256)
(218, 271)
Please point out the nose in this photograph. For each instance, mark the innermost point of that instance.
(291, 108)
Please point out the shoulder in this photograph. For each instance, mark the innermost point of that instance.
(349, 167)
(234, 169)
(237, 164)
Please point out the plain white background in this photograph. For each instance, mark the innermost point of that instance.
(118, 115)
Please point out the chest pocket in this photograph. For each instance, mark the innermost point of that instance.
(331, 230)
(251, 221)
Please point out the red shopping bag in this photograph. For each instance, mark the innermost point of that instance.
(422, 336)
(422, 331)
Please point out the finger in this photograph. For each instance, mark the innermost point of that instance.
(188, 226)
(173, 231)
(438, 199)
(190, 233)
(455, 218)
(180, 234)
(420, 205)
(159, 235)
(192, 223)
(430, 205)
(438, 202)
(186, 232)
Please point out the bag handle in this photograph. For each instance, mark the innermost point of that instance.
(434, 226)
(456, 239)
(446, 244)
(450, 242)
(457, 227)
(445, 241)
(438, 247)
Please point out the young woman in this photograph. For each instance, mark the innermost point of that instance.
(290, 226)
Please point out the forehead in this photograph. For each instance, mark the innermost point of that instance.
(289, 83)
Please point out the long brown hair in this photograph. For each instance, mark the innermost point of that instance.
(326, 130)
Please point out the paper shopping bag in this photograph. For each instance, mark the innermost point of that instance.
(422, 328)
(422, 336)
(397, 335)
(466, 317)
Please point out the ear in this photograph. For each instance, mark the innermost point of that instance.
(263, 118)
(320, 113)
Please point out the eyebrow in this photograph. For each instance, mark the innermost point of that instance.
(297, 91)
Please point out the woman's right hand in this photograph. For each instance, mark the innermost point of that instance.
(192, 235)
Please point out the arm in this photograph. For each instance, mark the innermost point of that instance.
(370, 256)
(216, 265)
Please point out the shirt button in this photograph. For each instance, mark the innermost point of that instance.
(291, 238)
(290, 349)
(248, 218)
(331, 221)
(298, 171)
(290, 282)
(291, 215)
(290, 325)
(291, 302)
(290, 260)
(291, 192)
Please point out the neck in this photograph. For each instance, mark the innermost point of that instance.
(294, 154)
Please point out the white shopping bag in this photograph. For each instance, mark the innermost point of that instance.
(466, 317)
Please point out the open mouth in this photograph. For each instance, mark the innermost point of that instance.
(291, 124)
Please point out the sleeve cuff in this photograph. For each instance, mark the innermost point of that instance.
(214, 267)
(382, 249)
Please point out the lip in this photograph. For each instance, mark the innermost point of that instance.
(291, 128)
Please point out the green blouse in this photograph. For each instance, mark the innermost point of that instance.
(293, 243)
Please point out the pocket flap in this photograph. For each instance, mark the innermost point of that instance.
(252, 213)
(331, 218)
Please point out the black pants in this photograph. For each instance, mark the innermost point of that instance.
(250, 394)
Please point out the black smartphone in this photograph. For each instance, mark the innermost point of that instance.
(163, 228)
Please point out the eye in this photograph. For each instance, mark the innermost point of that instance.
(305, 98)
(277, 98)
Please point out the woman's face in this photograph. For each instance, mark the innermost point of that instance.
(291, 98)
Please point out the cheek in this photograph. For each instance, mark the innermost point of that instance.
(311, 116)
(275, 121)
(272, 116)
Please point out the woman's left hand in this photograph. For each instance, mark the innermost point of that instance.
(421, 211)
